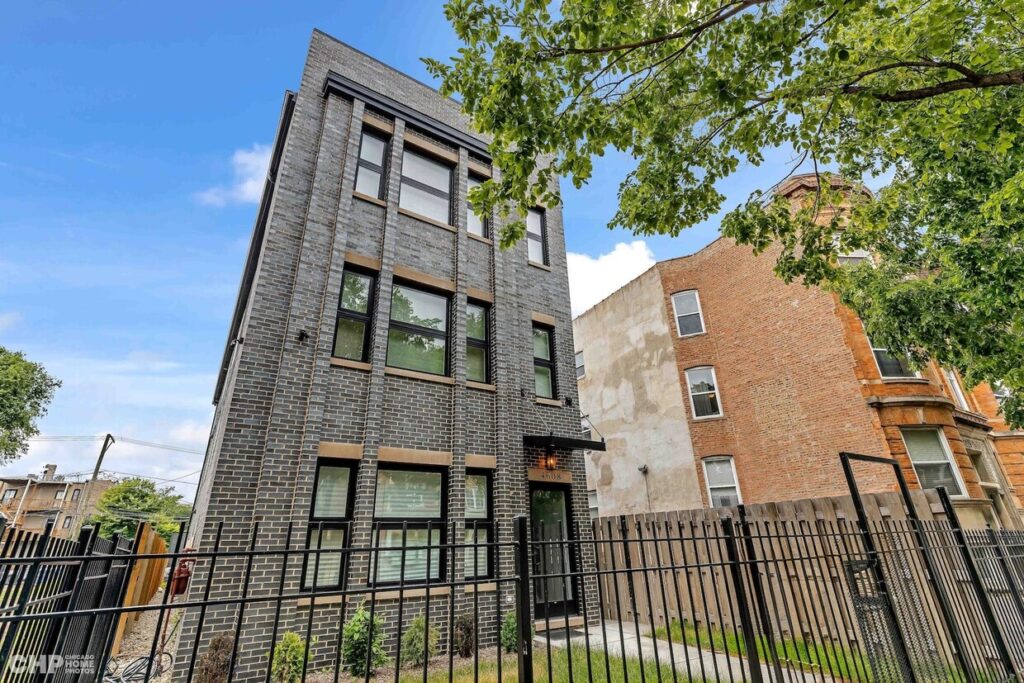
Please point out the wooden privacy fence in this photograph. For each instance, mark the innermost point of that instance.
(802, 584)
(143, 582)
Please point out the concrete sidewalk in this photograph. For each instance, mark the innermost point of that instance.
(691, 663)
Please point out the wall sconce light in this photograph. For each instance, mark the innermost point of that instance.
(550, 461)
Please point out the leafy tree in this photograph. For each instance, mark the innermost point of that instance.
(929, 91)
(26, 390)
(126, 503)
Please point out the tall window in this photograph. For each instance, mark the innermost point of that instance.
(9, 495)
(75, 494)
(479, 525)
(537, 236)
(328, 523)
(418, 335)
(703, 392)
(476, 224)
(355, 308)
(956, 389)
(686, 307)
(370, 170)
(478, 365)
(410, 508)
(67, 523)
(932, 460)
(543, 361)
(581, 370)
(720, 476)
(426, 187)
(1000, 391)
(890, 365)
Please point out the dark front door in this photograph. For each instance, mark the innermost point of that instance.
(554, 554)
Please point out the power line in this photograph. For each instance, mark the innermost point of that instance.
(160, 479)
(124, 439)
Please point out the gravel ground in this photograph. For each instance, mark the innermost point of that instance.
(139, 639)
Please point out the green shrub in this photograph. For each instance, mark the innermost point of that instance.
(464, 636)
(417, 644)
(363, 635)
(288, 658)
(213, 666)
(509, 636)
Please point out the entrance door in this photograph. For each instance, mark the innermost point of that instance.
(551, 518)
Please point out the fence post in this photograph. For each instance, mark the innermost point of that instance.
(746, 622)
(26, 591)
(523, 622)
(979, 587)
(758, 586)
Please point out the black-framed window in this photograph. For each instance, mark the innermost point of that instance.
(537, 236)
(426, 187)
(476, 561)
(418, 333)
(478, 343)
(544, 361)
(409, 511)
(373, 149)
(355, 312)
(67, 523)
(476, 224)
(75, 494)
(329, 519)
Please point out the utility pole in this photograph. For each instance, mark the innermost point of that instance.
(108, 441)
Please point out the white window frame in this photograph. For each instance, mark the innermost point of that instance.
(700, 314)
(950, 460)
(735, 478)
(717, 392)
(916, 375)
(580, 363)
(959, 397)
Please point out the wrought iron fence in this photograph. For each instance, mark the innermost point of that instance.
(729, 599)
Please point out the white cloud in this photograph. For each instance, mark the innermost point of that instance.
(592, 279)
(191, 433)
(9, 320)
(250, 170)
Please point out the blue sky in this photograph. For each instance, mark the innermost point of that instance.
(131, 140)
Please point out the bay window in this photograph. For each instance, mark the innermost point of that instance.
(418, 333)
(409, 515)
(932, 460)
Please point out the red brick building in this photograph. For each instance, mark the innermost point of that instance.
(723, 384)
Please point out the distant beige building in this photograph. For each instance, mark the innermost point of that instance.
(29, 502)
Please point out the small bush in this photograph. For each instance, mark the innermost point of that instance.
(509, 633)
(363, 636)
(213, 666)
(288, 658)
(417, 644)
(464, 637)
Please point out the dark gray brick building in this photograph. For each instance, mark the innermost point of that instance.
(386, 362)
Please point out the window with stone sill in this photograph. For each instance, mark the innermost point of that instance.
(329, 520)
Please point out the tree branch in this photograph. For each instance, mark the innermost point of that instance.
(997, 80)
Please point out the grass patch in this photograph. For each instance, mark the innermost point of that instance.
(792, 652)
(463, 671)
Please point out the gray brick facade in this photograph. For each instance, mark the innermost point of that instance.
(280, 397)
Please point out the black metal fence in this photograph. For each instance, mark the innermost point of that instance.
(728, 599)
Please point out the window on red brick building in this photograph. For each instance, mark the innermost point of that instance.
(689, 318)
(703, 387)
(932, 460)
(720, 476)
